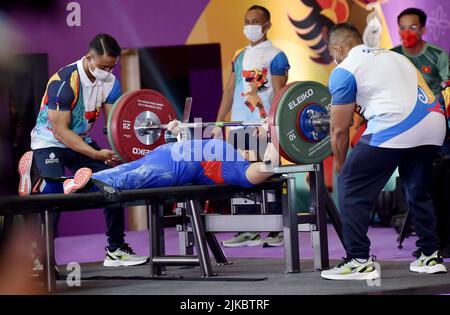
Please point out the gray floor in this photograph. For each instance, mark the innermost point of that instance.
(396, 279)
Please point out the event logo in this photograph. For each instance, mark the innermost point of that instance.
(256, 81)
(315, 26)
(323, 15)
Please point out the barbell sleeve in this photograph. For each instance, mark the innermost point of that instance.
(323, 121)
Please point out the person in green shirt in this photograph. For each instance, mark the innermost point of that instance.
(433, 63)
(431, 60)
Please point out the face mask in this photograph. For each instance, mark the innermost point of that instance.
(101, 75)
(409, 38)
(253, 32)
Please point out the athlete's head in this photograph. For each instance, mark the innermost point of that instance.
(341, 39)
(103, 55)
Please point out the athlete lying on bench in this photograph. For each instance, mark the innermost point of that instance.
(204, 162)
(210, 161)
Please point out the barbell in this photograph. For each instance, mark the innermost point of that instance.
(298, 122)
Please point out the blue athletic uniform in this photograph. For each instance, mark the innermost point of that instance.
(175, 164)
(201, 162)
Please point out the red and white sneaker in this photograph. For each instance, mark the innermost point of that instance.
(79, 180)
(24, 169)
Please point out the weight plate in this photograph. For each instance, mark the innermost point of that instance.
(127, 121)
(284, 119)
(273, 129)
(109, 124)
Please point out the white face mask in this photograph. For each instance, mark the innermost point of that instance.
(101, 75)
(253, 32)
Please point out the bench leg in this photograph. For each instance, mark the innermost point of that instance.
(200, 238)
(49, 248)
(319, 206)
(290, 227)
(155, 226)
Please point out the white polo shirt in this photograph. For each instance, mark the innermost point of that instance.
(391, 94)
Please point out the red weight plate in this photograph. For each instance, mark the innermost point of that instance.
(132, 111)
(271, 120)
(108, 125)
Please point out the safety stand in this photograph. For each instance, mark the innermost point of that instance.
(289, 221)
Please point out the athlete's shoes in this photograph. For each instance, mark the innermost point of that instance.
(29, 180)
(79, 180)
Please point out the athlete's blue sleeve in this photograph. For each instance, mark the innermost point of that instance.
(60, 95)
(280, 64)
(342, 86)
(115, 93)
(234, 166)
(234, 173)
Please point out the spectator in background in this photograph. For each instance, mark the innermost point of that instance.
(430, 60)
(259, 71)
(433, 63)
